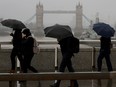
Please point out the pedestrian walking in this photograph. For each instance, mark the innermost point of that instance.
(67, 53)
(27, 50)
(16, 51)
(105, 51)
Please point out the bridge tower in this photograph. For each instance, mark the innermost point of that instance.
(79, 27)
(39, 16)
(39, 19)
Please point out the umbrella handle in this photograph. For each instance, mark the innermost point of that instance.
(12, 32)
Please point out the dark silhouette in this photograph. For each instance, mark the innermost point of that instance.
(67, 53)
(27, 50)
(104, 53)
(16, 51)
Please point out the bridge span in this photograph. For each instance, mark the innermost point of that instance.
(59, 12)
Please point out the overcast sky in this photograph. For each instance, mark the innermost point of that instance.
(24, 9)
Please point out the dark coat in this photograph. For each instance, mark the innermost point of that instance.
(105, 44)
(66, 45)
(17, 38)
(27, 45)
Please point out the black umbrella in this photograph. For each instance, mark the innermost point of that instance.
(13, 23)
(103, 29)
(58, 31)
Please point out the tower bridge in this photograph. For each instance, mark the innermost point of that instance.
(78, 13)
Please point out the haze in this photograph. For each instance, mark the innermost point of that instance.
(24, 9)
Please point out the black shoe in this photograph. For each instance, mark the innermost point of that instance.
(54, 85)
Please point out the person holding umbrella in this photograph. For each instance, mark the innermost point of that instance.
(105, 53)
(17, 27)
(106, 32)
(16, 51)
(66, 46)
(64, 36)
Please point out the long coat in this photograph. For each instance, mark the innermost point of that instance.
(27, 45)
(105, 44)
(66, 44)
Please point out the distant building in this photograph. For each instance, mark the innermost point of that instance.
(79, 13)
(79, 26)
(39, 15)
(39, 19)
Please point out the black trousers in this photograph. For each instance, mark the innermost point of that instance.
(16, 52)
(66, 62)
(27, 63)
(106, 55)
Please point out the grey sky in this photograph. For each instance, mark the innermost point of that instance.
(24, 9)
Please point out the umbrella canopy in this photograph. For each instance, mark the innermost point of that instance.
(103, 29)
(13, 23)
(58, 31)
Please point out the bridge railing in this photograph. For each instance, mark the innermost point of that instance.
(54, 76)
(54, 45)
(57, 76)
(23, 77)
(55, 42)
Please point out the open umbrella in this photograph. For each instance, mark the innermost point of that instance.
(103, 29)
(58, 31)
(13, 23)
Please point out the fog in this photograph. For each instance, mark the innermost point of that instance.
(24, 9)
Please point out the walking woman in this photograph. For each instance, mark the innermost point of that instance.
(27, 50)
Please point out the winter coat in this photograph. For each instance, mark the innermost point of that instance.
(66, 45)
(105, 44)
(27, 45)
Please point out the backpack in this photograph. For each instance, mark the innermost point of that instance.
(35, 46)
(75, 45)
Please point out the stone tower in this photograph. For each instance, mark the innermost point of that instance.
(39, 16)
(39, 19)
(79, 27)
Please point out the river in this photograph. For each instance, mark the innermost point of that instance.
(39, 39)
(9, 38)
